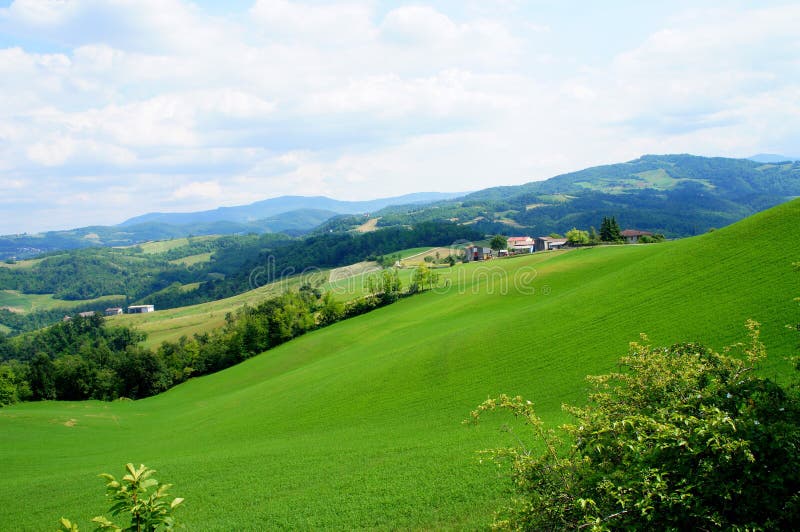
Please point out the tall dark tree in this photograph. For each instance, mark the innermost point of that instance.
(609, 230)
(42, 377)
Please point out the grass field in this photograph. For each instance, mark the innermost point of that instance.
(160, 246)
(171, 324)
(20, 264)
(19, 302)
(358, 425)
(191, 260)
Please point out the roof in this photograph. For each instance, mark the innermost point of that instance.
(113, 308)
(635, 232)
(552, 240)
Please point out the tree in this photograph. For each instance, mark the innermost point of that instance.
(684, 438)
(609, 230)
(8, 385)
(594, 238)
(41, 376)
(576, 237)
(498, 242)
(137, 495)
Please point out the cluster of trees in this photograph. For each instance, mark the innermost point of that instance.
(85, 358)
(152, 279)
(82, 358)
(683, 438)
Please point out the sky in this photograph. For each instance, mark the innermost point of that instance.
(114, 108)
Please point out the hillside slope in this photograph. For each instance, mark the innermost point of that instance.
(274, 206)
(678, 195)
(358, 425)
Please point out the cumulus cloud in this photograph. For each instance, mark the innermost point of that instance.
(162, 102)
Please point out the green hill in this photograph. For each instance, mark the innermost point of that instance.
(677, 195)
(358, 425)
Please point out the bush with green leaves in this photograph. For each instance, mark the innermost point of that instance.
(138, 497)
(682, 438)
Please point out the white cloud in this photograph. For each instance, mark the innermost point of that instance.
(198, 190)
(360, 99)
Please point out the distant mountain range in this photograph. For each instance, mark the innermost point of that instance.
(292, 215)
(265, 209)
(677, 195)
(772, 158)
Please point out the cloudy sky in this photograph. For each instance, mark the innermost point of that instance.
(113, 108)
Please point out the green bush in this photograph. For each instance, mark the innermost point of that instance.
(683, 438)
(138, 497)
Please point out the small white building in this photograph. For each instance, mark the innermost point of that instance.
(113, 311)
(141, 309)
(546, 243)
(473, 253)
(521, 243)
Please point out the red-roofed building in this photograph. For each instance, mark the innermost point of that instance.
(632, 236)
(520, 243)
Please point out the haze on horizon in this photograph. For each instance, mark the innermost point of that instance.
(114, 108)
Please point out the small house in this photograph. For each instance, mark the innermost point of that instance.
(546, 243)
(521, 243)
(472, 253)
(141, 309)
(113, 311)
(632, 236)
(87, 314)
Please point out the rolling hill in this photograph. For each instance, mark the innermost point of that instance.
(265, 209)
(677, 195)
(358, 425)
(292, 215)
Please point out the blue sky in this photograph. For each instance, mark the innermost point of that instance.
(113, 108)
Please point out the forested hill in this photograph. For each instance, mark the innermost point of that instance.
(678, 195)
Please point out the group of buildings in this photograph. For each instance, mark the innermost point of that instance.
(115, 311)
(133, 309)
(526, 244)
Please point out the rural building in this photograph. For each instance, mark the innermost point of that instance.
(141, 309)
(113, 311)
(521, 243)
(87, 314)
(632, 236)
(546, 243)
(472, 253)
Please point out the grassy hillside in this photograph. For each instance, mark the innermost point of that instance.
(677, 195)
(358, 425)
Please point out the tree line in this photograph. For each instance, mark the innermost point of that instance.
(86, 358)
(151, 279)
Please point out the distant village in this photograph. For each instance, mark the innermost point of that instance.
(116, 311)
(526, 244)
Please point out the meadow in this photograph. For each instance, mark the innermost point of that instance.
(358, 425)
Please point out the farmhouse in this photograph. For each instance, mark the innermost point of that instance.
(87, 314)
(546, 243)
(141, 309)
(521, 243)
(472, 253)
(113, 311)
(632, 236)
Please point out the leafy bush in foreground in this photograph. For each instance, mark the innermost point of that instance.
(138, 495)
(684, 438)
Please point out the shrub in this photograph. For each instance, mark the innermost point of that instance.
(684, 438)
(137, 495)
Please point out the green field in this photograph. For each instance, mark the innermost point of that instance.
(19, 302)
(161, 246)
(171, 324)
(358, 425)
(191, 260)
